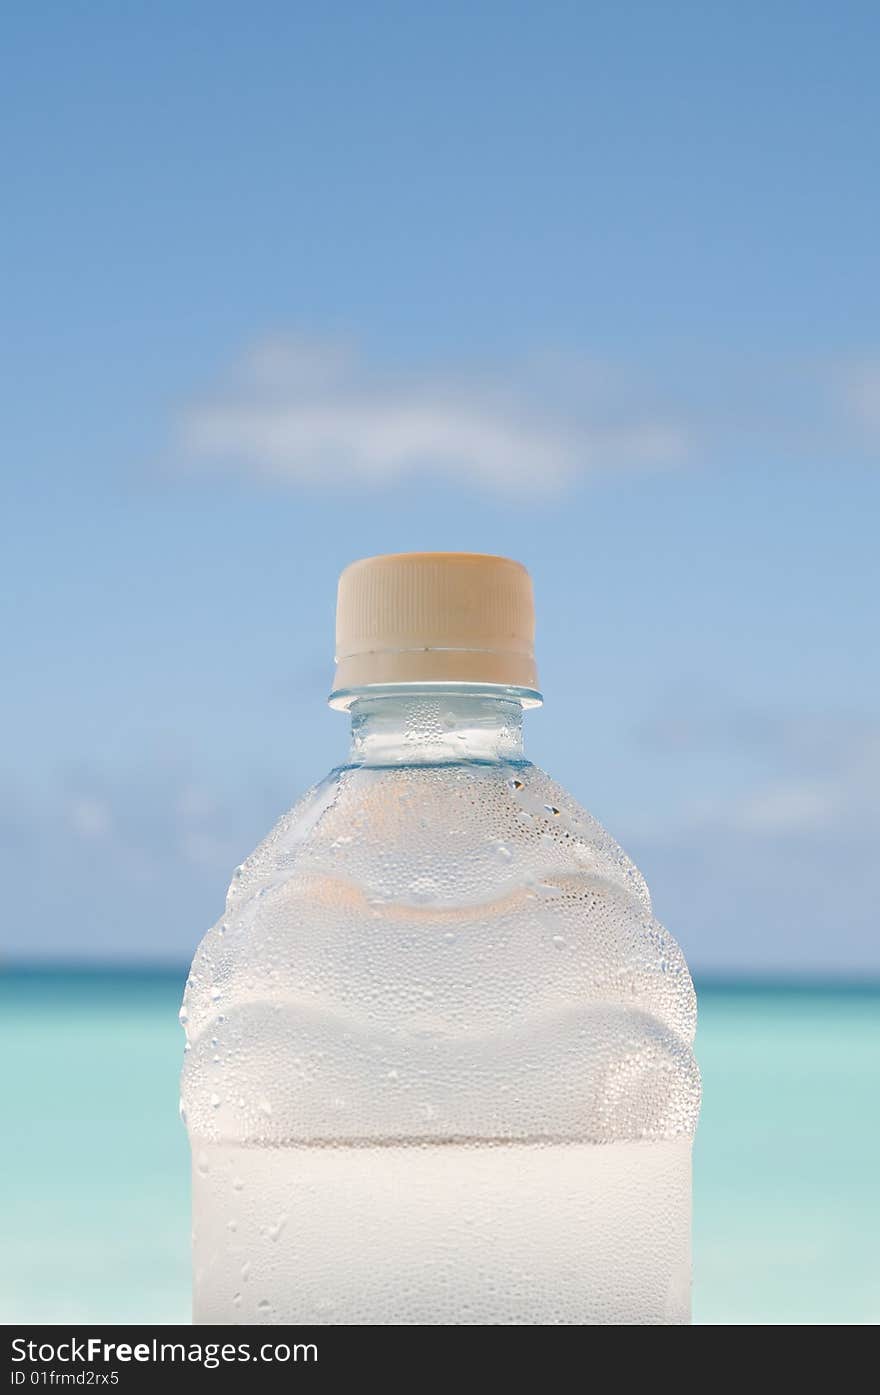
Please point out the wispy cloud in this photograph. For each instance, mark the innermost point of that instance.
(808, 770)
(775, 871)
(310, 412)
(860, 391)
(122, 865)
(779, 873)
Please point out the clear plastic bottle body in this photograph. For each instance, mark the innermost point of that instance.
(439, 1064)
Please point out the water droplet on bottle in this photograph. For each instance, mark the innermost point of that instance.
(559, 941)
(203, 1166)
(548, 891)
(275, 1230)
(245, 1271)
(237, 1184)
(236, 1298)
(264, 1306)
(265, 1107)
(215, 1101)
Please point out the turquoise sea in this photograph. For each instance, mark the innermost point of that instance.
(94, 1223)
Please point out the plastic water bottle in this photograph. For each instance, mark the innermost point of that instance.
(438, 1064)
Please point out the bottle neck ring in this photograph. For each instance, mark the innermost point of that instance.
(436, 725)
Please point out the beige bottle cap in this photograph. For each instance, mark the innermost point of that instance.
(435, 617)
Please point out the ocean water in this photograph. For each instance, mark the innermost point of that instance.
(94, 1218)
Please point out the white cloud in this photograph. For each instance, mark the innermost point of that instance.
(775, 868)
(91, 819)
(313, 411)
(120, 864)
(835, 795)
(786, 806)
(301, 411)
(811, 772)
(861, 393)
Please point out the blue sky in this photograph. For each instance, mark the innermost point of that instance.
(595, 286)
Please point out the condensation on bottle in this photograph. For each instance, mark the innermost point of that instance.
(439, 1063)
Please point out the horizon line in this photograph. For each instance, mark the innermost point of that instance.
(757, 980)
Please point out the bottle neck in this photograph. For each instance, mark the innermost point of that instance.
(435, 727)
